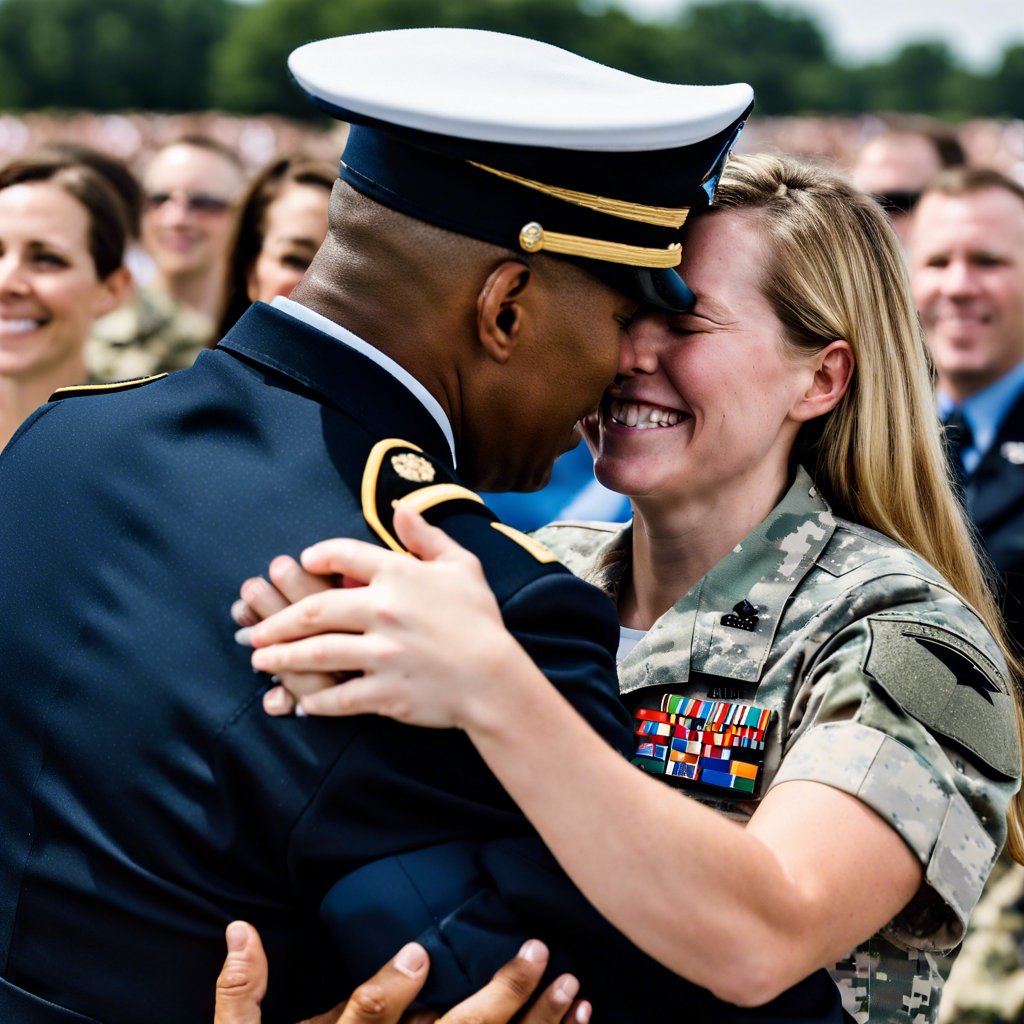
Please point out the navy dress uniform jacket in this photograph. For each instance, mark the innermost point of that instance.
(147, 799)
(994, 493)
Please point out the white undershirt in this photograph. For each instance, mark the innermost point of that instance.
(346, 337)
(628, 639)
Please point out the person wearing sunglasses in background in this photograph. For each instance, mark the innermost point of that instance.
(895, 165)
(189, 187)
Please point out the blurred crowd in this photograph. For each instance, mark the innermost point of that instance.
(132, 137)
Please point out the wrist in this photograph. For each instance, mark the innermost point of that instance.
(501, 688)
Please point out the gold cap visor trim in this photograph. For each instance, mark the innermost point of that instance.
(533, 238)
(662, 216)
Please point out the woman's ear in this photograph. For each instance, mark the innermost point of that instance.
(833, 370)
(499, 311)
(113, 290)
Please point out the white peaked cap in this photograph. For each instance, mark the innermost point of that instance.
(528, 146)
(473, 84)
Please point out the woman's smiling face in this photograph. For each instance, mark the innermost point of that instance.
(704, 399)
(49, 289)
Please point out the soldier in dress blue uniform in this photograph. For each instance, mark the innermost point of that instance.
(503, 207)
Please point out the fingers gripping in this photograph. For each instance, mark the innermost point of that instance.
(261, 600)
(384, 998)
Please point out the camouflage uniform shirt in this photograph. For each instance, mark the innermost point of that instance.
(884, 684)
(151, 334)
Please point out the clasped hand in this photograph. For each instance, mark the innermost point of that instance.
(378, 631)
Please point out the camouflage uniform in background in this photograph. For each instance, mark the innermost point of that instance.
(884, 685)
(987, 983)
(151, 334)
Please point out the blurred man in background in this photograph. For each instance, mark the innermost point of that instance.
(967, 257)
(896, 165)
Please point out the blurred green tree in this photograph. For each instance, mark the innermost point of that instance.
(748, 41)
(195, 54)
(249, 65)
(147, 54)
(1006, 96)
(915, 79)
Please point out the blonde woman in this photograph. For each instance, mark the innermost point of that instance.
(808, 646)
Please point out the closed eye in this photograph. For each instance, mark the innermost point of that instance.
(49, 259)
(625, 322)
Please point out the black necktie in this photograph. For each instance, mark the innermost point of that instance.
(958, 437)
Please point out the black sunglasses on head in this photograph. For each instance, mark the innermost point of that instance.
(897, 201)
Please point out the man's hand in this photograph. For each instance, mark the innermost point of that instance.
(425, 636)
(259, 599)
(242, 984)
(383, 999)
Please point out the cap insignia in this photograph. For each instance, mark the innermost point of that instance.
(413, 467)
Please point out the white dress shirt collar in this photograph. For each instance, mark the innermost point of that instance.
(346, 337)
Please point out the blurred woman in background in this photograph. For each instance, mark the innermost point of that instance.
(62, 239)
(281, 221)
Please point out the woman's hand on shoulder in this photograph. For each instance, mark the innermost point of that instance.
(384, 999)
(417, 639)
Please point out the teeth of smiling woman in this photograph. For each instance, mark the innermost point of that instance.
(17, 326)
(643, 417)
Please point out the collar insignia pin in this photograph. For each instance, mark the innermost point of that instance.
(413, 467)
(744, 616)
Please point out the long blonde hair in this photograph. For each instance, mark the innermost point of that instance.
(835, 270)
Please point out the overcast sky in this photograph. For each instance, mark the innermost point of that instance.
(861, 30)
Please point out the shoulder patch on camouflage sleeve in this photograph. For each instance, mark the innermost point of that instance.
(78, 390)
(401, 473)
(947, 684)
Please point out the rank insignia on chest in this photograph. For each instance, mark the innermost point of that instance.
(704, 743)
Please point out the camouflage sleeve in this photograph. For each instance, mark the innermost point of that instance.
(909, 710)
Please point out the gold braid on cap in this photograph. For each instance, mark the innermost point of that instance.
(533, 238)
(661, 216)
